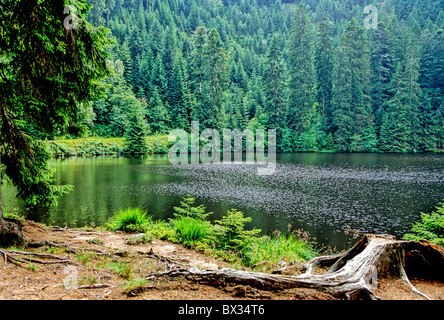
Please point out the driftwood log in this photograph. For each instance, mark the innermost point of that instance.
(351, 275)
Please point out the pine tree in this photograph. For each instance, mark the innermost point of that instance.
(255, 96)
(125, 56)
(146, 67)
(198, 59)
(352, 115)
(136, 131)
(44, 80)
(178, 96)
(324, 60)
(274, 86)
(432, 84)
(382, 64)
(157, 115)
(216, 76)
(159, 79)
(403, 118)
(301, 70)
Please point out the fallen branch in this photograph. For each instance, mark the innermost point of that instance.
(76, 250)
(18, 257)
(96, 286)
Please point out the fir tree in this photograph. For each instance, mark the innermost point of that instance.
(273, 82)
(324, 60)
(352, 115)
(136, 131)
(301, 71)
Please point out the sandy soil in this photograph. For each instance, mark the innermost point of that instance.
(94, 277)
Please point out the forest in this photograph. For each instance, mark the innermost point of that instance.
(327, 75)
(310, 70)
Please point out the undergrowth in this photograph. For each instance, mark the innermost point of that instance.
(227, 238)
(430, 228)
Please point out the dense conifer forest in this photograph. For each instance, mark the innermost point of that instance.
(310, 70)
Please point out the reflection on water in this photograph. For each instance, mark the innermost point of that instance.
(321, 193)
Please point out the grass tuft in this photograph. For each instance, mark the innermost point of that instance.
(130, 220)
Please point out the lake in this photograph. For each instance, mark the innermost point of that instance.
(320, 193)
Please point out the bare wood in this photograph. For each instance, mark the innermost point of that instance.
(96, 286)
(351, 274)
(12, 256)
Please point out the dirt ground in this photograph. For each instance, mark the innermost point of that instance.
(83, 266)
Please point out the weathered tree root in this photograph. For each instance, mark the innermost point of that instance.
(352, 275)
(18, 257)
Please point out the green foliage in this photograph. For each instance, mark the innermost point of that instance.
(430, 228)
(191, 231)
(279, 247)
(121, 268)
(48, 74)
(136, 132)
(227, 238)
(129, 220)
(132, 284)
(104, 146)
(230, 230)
(188, 209)
(266, 64)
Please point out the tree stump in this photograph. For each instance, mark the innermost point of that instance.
(351, 275)
(11, 232)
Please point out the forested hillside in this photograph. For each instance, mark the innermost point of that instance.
(311, 71)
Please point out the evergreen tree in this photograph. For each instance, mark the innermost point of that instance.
(432, 84)
(352, 115)
(382, 64)
(338, 73)
(403, 117)
(43, 82)
(136, 131)
(274, 86)
(216, 76)
(157, 115)
(125, 56)
(301, 71)
(324, 60)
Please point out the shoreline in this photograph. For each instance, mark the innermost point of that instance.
(158, 144)
(98, 258)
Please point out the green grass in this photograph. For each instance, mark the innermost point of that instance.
(277, 248)
(190, 231)
(130, 220)
(134, 284)
(121, 268)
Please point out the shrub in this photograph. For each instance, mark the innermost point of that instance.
(188, 209)
(230, 231)
(129, 220)
(430, 228)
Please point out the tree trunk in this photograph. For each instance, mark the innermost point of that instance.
(1, 208)
(352, 275)
(10, 231)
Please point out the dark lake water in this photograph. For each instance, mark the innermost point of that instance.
(320, 193)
